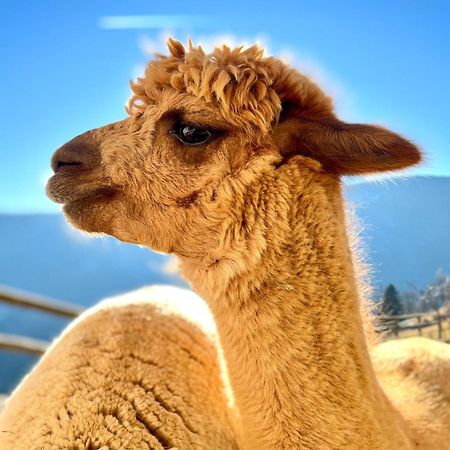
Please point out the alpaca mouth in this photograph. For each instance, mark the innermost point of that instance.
(64, 194)
(100, 194)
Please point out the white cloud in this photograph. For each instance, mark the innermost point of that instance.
(153, 22)
(209, 42)
(171, 266)
(158, 44)
(330, 83)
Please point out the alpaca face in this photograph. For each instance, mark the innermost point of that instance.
(201, 128)
(148, 178)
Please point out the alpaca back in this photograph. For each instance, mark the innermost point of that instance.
(134, 372)
(414, 374)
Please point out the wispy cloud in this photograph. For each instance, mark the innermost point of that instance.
(158, 44)
(155, 22)
(309, 65)
(171, 266)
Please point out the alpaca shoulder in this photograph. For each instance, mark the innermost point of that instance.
(415, 375)
(133, 372)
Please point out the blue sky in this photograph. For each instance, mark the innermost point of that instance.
(63, 72)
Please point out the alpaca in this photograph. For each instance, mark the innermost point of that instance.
(137, 371)
(232, 161)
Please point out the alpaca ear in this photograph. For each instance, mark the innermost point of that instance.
(342, 148)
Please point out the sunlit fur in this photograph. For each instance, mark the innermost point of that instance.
(257, 221)
(130, 373)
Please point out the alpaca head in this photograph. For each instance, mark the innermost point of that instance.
(201, 127)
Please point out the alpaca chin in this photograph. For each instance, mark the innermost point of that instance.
(92, 213)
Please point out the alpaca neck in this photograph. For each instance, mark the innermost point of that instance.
(290, 324)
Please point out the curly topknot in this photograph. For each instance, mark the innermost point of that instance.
(247, 88)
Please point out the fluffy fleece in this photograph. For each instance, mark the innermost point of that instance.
(138, 371)
(255, 215)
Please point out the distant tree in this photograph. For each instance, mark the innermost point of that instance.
(412, 302)
(437, 294)
(435, 297)
(391, 305)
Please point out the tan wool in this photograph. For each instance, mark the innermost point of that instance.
(255, 215)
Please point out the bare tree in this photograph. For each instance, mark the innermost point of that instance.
(436, 297)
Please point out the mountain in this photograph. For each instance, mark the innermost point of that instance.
(405, 235)
(406, 228)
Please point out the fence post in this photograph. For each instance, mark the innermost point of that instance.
(438, 317)
(396, 327)
(419, 322)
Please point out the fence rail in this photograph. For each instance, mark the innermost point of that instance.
(395, 325)
(24, 344)
(26, 300)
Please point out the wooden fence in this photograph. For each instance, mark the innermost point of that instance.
(392, 325)
(398, 325)
(44, 304)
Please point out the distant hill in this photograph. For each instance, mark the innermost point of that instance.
(406, 228)
(406, 234)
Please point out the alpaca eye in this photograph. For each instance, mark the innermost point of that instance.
(190, 134)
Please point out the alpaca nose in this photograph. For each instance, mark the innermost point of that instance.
(82, 152)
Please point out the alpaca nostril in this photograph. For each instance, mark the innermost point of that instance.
(81, 152)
